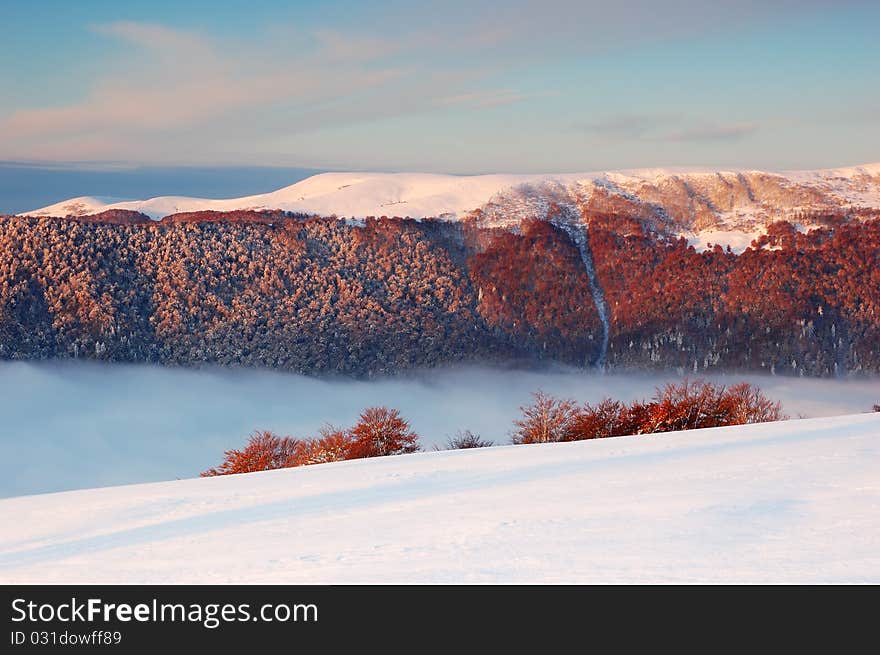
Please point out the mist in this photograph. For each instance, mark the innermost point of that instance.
(69, 425)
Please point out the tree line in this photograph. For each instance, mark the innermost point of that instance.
(380, 431)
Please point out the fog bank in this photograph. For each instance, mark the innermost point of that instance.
(70, 425)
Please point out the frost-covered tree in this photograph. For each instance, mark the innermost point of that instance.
(547, 419)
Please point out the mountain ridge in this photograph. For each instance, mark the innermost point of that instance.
(730, 207)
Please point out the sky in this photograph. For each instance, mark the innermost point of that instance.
(459, 86)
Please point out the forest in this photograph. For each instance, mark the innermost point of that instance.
(363, 298)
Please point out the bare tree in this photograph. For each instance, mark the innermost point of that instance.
(546, 419)
(466, 439)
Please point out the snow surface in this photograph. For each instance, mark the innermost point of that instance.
(795, 501)
(854, 185)
(736, 239)
(419, 195)
(354, 195)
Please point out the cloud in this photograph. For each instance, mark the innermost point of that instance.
(628, 126)
(177, 81)
(173, 95)
(669, 127)
(182, 92)
(187, 81)
(158, 38)
(721, 132)
(490, 98)
(338, 45)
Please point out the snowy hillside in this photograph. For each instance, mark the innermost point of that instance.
(343, 194)
(796, 501)
(727, 207)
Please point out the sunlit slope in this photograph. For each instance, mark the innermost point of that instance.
(795, 501)
(719, 206)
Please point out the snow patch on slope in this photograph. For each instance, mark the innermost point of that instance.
(794, 502)
(737, 240)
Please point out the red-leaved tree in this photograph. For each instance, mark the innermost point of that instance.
(381, 431)
(333, 445)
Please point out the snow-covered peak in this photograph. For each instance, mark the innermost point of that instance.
(691, 201)
(420, 195)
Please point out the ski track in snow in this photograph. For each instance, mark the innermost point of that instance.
(794, 501)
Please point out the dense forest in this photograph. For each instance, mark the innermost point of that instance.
(327, 295)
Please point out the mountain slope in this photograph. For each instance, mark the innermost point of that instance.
(794, 502)
(729, 207)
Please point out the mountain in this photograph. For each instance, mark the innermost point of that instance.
(787, 502)
(623, 269)
(705, 206)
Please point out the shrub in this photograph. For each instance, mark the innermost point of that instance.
(747, 404)
(682, 406)
(264, 451)
(380, 431)
(686, 406)
(466, 439)
(610, 418)
(700, 404)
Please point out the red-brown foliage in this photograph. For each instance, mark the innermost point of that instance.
(333, 445)
(264, 451)
(235, 216)
(325, 296)
(381, 431)
(115, 217)
(610, 418)
(793, 303)
(533, 287)
(684, 406)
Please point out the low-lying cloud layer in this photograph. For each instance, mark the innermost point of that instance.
(75, 425)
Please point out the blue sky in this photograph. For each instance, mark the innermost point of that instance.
(555, 85)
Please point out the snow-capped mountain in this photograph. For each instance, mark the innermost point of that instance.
(792, 501)
(705, 205)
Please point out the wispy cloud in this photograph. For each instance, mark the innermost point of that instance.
(666, 127)
(174, 95)
(183, 83)
(716, 132)
(618, 127)
(490, 98)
